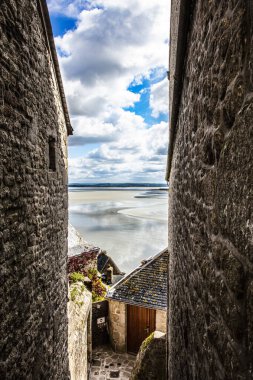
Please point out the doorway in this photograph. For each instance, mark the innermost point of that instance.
(140, 324)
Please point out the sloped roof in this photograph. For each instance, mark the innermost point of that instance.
(146, 286)
(103, 260)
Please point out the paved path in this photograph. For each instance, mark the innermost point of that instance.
(110, 365)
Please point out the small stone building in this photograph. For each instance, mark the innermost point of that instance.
(109, 270)
(138, 304)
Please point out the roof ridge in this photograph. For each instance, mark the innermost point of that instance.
(136, 270)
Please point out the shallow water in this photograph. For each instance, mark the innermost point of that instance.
(130, 224)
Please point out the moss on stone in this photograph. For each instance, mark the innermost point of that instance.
(98, 288)
(74, 293)
(76, 276)
(147, 341)
(77, 290)
(150, 362)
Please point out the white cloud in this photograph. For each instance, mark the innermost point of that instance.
(115, 44)
(111, 128)
(111, 48)
(97, 100)
(70, 8)
(131, 157)
(159, 98)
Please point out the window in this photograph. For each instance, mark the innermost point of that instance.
(52, 155)
(1, 93)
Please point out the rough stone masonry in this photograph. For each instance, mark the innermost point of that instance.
(33, 189)
(211, 184)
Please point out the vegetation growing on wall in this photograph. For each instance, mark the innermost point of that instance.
(98, 288)
(76, 276)
(147, 341)
(81, 263)
(77, 287)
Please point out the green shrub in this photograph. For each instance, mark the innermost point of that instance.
(92, 273)
(76, 276)
(76, 290)
(98, 288)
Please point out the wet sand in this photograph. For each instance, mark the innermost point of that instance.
(130, 225)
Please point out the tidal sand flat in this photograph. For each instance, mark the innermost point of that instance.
(130, 224)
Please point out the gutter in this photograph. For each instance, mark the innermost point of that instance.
(181, 14)
(46, 23)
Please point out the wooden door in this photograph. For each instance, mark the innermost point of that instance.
(140, 324)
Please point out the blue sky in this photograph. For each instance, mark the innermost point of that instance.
(114, 57)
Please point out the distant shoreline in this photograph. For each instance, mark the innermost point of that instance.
(119, 185)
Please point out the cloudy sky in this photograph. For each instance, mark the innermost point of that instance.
(114, 57)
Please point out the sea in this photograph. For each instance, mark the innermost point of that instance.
(129, 221)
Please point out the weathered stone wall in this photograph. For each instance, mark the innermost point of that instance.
(117, 325)
(150, 362)
(33, 211)
(161, 321)
(79, 331)
(211, 184)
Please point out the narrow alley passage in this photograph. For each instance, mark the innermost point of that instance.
(107, 364)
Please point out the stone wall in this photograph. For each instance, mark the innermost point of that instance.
(150, 362)
(33, 211)
(79, 331)
(161, 321)
(210, 207)
(117, 325)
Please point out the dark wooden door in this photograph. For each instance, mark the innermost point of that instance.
(140, 324)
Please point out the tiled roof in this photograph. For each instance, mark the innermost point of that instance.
(146, 286)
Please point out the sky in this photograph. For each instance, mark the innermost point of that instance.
(113, 56)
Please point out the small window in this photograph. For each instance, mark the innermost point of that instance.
(1, 93)
(52, 155)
